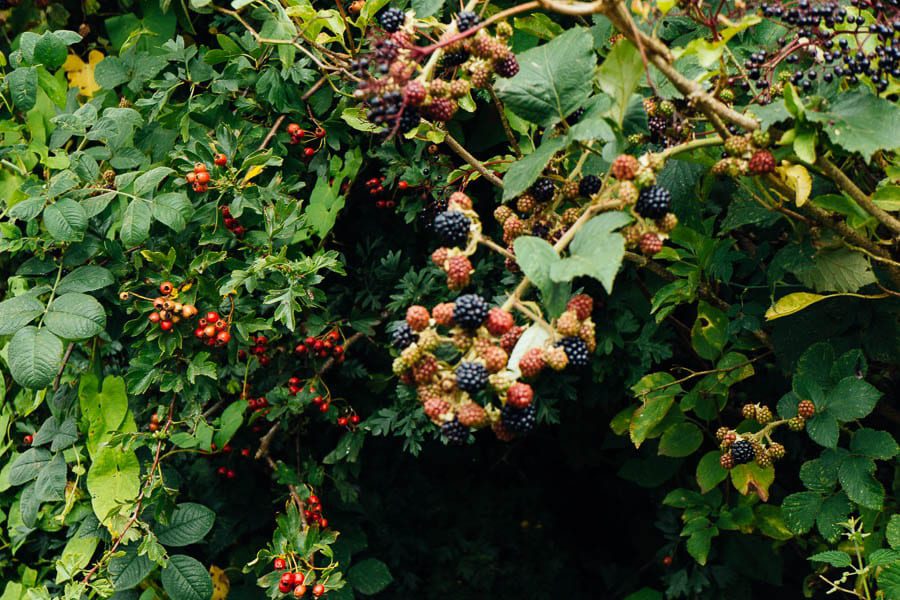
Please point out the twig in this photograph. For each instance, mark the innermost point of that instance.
(835, 174)
(486, 241)
(474, 162)
(315, 88)
(510, 136)
(272, 131)
(62, 367)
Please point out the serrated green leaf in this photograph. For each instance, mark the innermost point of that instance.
(680, 440)
(185, 578)
(800, 510)
(65, 220)
(369, 576)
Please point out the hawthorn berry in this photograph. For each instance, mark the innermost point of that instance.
(166, 287)
(28, 439)
(154, 317)
(318, 589)
(280, 564)
(354, 419)
(309, 152)
(294, 129)
(203, 177)
(220, 160)
(667, 561)
(166, 325)
(299, 591)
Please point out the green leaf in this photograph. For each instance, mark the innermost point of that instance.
(103, 412)
(76, 555)
(535, 257)
(619, 76)
(596, 251)
(874, 444)
(751, 478)
(554, 79)
(710, 331)
(65, 220)
(185, 578)
(111, 72)
(840, 270)
(59, 434)
(823, 429)
(680, 440)
(85, 279)
(18, 312)
(51, 480)
(655, 406)
(800, 511)
(527, 169)
(700, 542)
(836, 509)
(369, 576)
(231, 420)
(771, 522)
(34, 357)
(173, 210)
(136, 223)
(146, 183)
(539, 25)
(858, 480)
(426, 8)
(859, 121)
(709, 472)
(189, 524)
(114, 481)
(126, 572)
(50, 51)
(23, 85)
(852, 398)
(893, 532)
(889, 581)
(75, 316)
(835, 558)
(805, 143)
(27, 466)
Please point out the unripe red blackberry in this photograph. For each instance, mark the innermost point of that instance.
(459, 272)
(531, 363)
(436, 407)
(588, 334)
(625, 167)
(582, 304)
(589, 185)
(495, 359)
(519, 395)
(797, 424)
(442, 109)
(417, 317)
(568, 324)
(569, 190)
(439, 257)
(480, 74)
(667, 223)
(443, 314)
(425, 370)
(726, 461)
(748, 411)
(513, 227)
(650, 106)
(511, 338)
(415, 92)
(471, 414)
(729, 438)
(499, 321)
(806, 409)
(503, 434)
(459, 200)
(651, 244)
(761, 163)
(508, 66)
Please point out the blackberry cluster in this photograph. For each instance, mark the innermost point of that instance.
(470, 311)
(742, 452)
(589, 185)
(653, 202)
(455, 431)
(543, 190)
(403, 336)
(519, 420)
(454, 58)
(466, 20)
(452, 227)
(388, 109)
(391, 19)
(471, 376)
(576, 351)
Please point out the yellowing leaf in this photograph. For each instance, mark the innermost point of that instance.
(221, 584)
(252, 172)
(798, 179)
(81, 74)
(792, 303)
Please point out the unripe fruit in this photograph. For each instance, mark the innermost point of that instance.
(191, 177)
(223, 337)
(154, 317)
(519, 395)
(299, 591)
(806, 409)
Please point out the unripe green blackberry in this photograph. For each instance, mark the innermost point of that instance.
(737, 167)
(526, 203)
(503, 30)
(429, 340)
(721, 167)
(763, 415)
(570, 216)
(650, 106)
(570, 190)
(797, 424)
(556, 358)
(726, 461)
(459, 88)
(721, 432)
(635, 139)
(763, 459)
(760, 138)
(738, 146)
(502, 213)
(627, 192)
(775, 451)
(644, 178)
(667, 223)
(726, 96)
(666, 108)
(502, 381)
(748, 411)
(588, 334)
(632, 235)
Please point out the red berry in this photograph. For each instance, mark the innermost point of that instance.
(212, 316)
(342, 421)
(191, 177)
(203, 177)
(28, 439)
(221, 470)
(806, 409)
(300, 349)
(582, 305)
(299, 591)
(231, 474)
(318, 589)
(338, 350)
(245, 451)
(166, 287)
(283, 587)
(323, 523)
(402, 185)
(667, 560)
(153, 317)
(499, 321)
(761, 162)
(298, 578)
(293, 128)
(223, 337)
(323, 407)
(199, 167)
(294, 381)
(309, 152)
(354, 419)
(220, 160)
(317, 400)
(280, 565)
(165, 325)
(312, 500)
(320, 133)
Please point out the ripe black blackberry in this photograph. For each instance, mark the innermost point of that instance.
(657, 125)
(391, 19)
(508, 66)
(471, 376)
(403, 336)
(466, 20)
(454, 58)
(742, 452)
(452, 227)
(543, 190)
(589, 185)
(576, 351)
(575, 116)
(653, 202)
(455, 431)
(409, 119)
(470, 311)
(519, 420)
(541, 230)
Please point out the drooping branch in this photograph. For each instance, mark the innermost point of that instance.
(846, 184)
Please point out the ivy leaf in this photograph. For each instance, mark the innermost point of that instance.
(800, 511)
(34, 357)
(369, 576)
(75, 316)
(189, 524)
(619, 76)
(18, 312)
(554, 79)
(680, 440)
(186, 578)
(527, 169)
(858, 480)
(859, 121)
(65, 220)
(874, 444)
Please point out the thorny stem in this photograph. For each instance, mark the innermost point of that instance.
(471, 160)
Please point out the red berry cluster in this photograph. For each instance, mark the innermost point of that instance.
(213, 330)
(259, 405)
(313, 512)
(348, 420)
(233, 225)
(327, 345)
(260, 349)
(322, 402)
(225, 472)
(301, 136)
(291, 582)
(154, 422)
(198, 178)
(167, 310)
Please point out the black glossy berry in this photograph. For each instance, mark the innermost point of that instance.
(466, 20)
(455, 431)
(654, 202)
(391, 19)
(454, 58)
(543, 190)
(470, 311)
(576, 351)
(452, 227)
(409, 120)
(471, 376)
(589, 185)
(508, 66)
(519, 420)
(403, 336)
(742, 452)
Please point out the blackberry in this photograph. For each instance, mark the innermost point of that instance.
(575, 116)
(657, 126)
(391, 19)
(454, 58)
(742, 452)
(452, 227)
(470, 311)
(519, 420)
(403, 336)
(508, 66)
(409, 119)
(466, 20)
(543, 190)
(653, 202)
(589, 185)
(456, 432)
(471, 376)
(576, 351)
